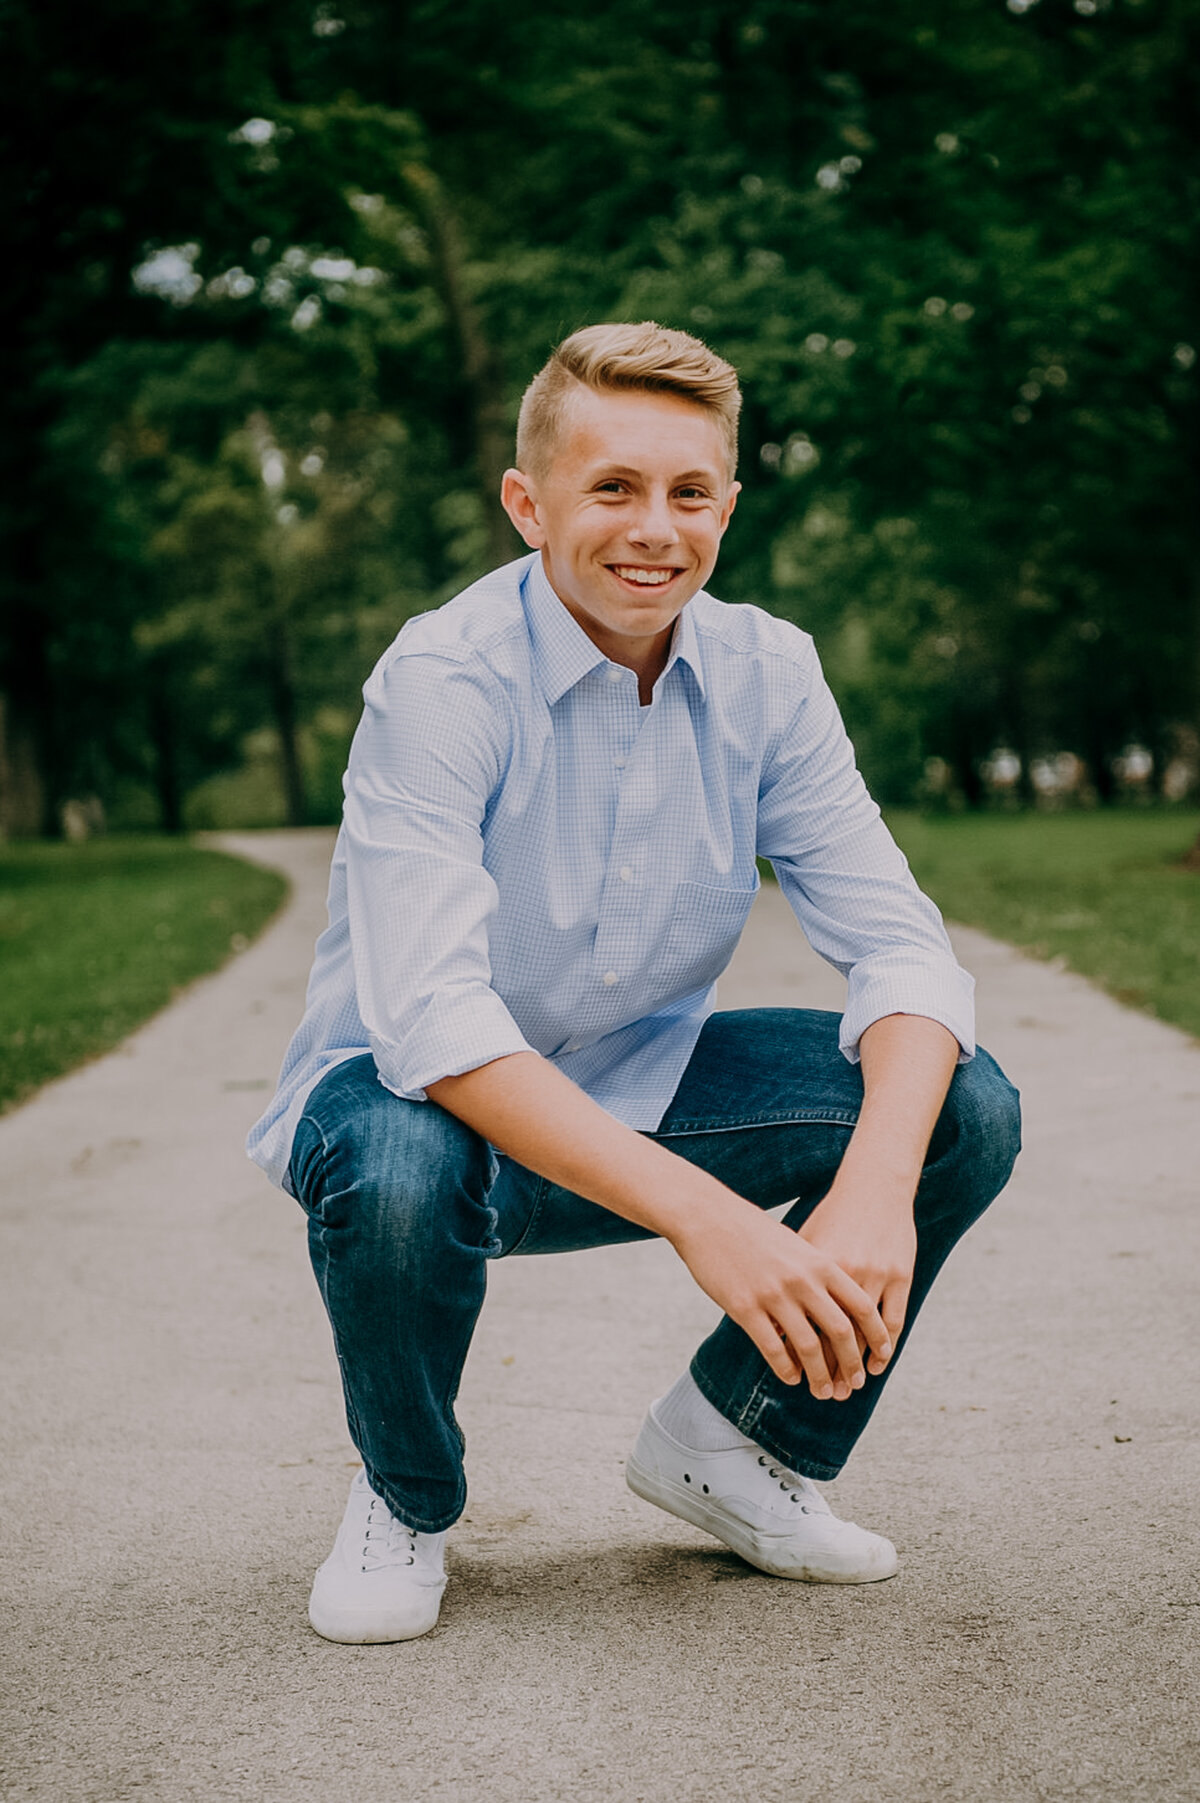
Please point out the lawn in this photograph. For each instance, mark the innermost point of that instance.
(1103, 891)
(95, 938)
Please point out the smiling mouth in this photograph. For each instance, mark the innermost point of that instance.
(643, 578)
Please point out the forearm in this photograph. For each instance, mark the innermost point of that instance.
(535, 1114)
(865, 1222)
(790, 1298)
(907, 1064)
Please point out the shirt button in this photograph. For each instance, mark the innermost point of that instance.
(614, 675)
(577, 1047)
(626, 874)
(620, 763)
(609, 978)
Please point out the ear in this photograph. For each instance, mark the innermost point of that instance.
(735, 489)
(518, 497)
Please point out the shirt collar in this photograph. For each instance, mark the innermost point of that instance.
(562, 651)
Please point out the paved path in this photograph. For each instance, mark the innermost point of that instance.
(175, 1463)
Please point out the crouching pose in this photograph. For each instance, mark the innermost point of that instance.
(555, 800)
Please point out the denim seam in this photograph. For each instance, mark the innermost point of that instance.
(539, 1200)
(426, 1524)
(319, 1230)
(422, 1524)
(825, 1118)
(317, 1128)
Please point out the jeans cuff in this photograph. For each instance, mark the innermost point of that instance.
(748, 1418)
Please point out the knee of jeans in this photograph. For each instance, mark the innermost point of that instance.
(979, 1130)
(410, 1164)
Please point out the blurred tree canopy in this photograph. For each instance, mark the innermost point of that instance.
(278, 273)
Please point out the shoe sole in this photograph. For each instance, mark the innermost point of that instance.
(767, 1552)
(351, 1627)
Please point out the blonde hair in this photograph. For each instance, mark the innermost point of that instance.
(646, 357)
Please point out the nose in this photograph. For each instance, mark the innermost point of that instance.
(654, 527)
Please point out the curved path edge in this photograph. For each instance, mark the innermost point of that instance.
(175, 1462)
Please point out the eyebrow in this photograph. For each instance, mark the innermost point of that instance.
(624, 469)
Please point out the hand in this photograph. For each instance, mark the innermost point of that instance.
(874, 1240)
(808, 1317)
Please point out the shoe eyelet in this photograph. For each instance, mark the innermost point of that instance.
(704, 1487)
(687, 1477)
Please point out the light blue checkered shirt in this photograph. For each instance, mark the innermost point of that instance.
(531, 860)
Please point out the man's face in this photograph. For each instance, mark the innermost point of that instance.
(628, 516)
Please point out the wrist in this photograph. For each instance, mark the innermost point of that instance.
(881, 1193)
(700, 1211)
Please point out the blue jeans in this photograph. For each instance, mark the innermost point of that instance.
(406, 1205)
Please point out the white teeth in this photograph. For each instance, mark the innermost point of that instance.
(648, 578)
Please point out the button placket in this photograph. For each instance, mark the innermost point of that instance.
(624, 716)
(621, 900)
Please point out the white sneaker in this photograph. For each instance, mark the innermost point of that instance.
(382, 1581)
(774, 1518)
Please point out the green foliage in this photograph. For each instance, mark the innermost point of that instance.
(1104, 892)
(95, 938)
(265, 364)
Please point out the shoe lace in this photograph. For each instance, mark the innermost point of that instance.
(386, 1541)
(802, 1489)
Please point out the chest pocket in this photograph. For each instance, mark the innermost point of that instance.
(706, 924)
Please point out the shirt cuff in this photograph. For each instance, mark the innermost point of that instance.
(455, 1031)
(897, 983)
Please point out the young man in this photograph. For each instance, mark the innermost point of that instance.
(553, 807)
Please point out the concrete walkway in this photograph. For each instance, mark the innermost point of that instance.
(175, 1463)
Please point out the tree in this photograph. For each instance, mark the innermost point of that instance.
(947, 248)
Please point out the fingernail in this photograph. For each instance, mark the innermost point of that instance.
(824, 1393)
(859, 1379)
(885, 1351)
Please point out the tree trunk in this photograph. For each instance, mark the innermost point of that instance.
(283, 706)
(480, 364)
(964, 760)
(164, 740)
(23, 789)
(1191, 858)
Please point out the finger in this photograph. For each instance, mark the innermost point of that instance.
(775, 1347)
(865, 1316)
(842, 1389)
(842, 1333)
(894, 1308)
(801, 1341)
(839, 1346)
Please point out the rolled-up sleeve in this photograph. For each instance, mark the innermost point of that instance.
(429, 752)
(848, 883)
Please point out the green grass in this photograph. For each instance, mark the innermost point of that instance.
(1103, 891)
(95, 938)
